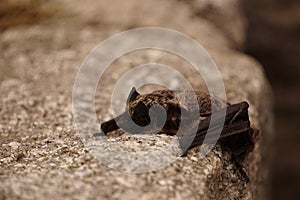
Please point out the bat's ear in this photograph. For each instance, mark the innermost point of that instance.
(132, 95)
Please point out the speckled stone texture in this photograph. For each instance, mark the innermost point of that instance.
(42, 156)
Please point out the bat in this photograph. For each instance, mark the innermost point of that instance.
(236, 133)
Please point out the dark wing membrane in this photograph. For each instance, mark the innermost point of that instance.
(236, 122)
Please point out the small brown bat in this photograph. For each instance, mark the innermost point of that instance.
(236, 132)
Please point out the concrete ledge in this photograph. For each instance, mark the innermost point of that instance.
(43, 158)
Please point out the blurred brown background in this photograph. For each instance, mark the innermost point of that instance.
(272, 37)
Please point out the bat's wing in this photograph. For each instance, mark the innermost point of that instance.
(236, 122)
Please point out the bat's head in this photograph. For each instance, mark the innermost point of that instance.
(159, 106)
(137, 109)
(150, 112)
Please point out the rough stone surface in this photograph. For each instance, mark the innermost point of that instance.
(42, 156)
(226, 15)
